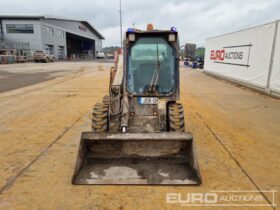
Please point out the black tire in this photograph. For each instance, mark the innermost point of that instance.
(106, 100)
(176, 121)
(100, 118)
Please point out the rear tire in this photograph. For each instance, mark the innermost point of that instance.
(176, 121)
(100, 118)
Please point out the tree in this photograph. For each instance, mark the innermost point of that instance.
(200, 52)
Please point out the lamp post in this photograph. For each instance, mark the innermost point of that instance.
(121, 23)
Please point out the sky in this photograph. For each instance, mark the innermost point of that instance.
(195, 20)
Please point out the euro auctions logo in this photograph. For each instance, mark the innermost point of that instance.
(217, 55)
(192, 198)
(226, 198)
(232, 55)
(222, 55)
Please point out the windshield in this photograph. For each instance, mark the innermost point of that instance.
(151, 66)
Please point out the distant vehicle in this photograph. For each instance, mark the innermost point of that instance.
(21, 59)
(187, 62)
(100, 55)
(29, 55)
(41, 56)
(197, 63)
(109, 56)
(194, 65)
(24, 56)
(200, 62)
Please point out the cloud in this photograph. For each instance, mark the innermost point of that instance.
(195, 20)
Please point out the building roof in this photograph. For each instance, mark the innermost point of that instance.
(100, 36)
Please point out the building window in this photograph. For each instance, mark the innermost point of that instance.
(20, 28)
(59, 33)
(48, 30)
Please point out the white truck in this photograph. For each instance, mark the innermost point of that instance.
(100, 55)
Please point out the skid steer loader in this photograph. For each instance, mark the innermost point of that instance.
(138, 134)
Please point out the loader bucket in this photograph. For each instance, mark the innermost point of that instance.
(137, 158)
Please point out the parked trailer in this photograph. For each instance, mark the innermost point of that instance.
(250, 57)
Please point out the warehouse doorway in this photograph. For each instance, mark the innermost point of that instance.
(49, 49)
(79, 47)
(61, 52)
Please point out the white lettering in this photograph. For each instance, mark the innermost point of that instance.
(171, 198)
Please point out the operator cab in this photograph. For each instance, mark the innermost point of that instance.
(152, 62)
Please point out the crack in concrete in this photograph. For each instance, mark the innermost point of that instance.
(13, 179)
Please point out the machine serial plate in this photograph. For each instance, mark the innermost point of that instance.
(147, 100)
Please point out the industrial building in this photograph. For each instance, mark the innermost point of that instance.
(61, 37)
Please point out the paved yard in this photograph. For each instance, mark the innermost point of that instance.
(236, 133)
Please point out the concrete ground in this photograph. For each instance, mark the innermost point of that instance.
(236, 133)
(25, 74)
